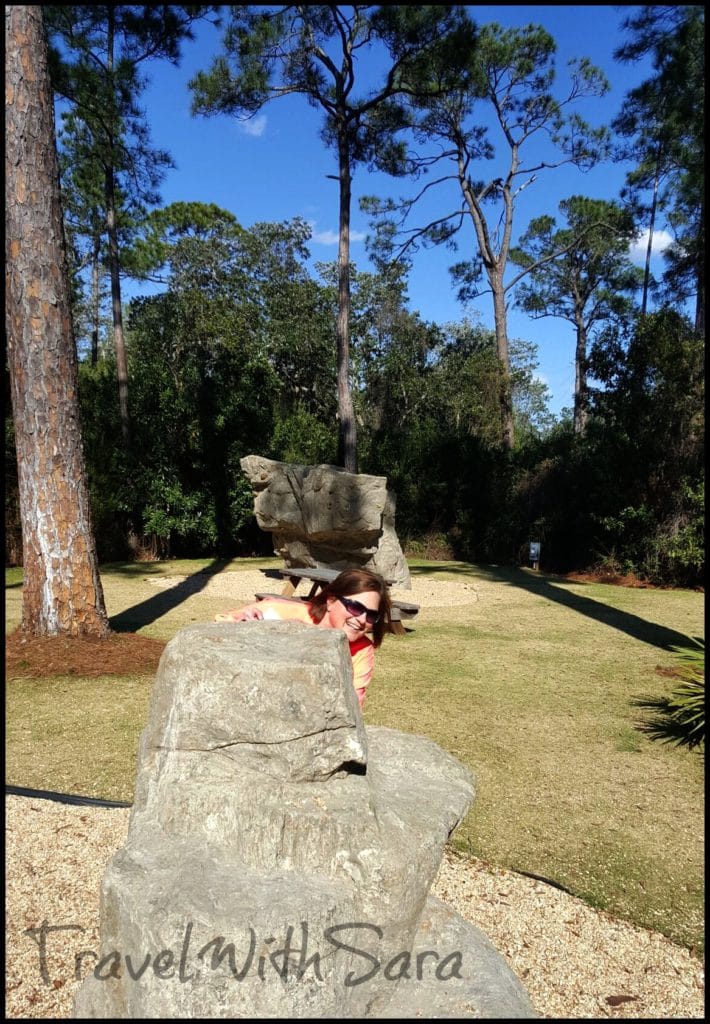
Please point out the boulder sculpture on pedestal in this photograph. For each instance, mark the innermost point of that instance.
(279, 854)
(326, 518)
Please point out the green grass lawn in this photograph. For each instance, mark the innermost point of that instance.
(530, 686)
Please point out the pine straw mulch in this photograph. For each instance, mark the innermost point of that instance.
(118, 654)
(616, 579)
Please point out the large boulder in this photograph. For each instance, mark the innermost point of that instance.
(279, 854)
(324, 517)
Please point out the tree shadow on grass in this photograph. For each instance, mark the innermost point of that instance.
(456, 568)
(554, 588)
(138, 615)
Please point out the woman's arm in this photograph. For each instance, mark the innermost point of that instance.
(363, 665)
(248, 613)
(270, 608)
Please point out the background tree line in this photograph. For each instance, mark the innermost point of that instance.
(243, 348)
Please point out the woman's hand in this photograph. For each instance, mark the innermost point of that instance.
(249, 615)
(242, 615)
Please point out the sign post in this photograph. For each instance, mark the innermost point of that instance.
(535, 553)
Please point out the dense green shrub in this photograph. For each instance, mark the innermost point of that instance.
(302, 438)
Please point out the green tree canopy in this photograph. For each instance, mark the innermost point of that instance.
(96, 64)
(511, 84)
(664, 121)
(313, 51)
(581, 273)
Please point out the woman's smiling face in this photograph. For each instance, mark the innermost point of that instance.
(350, 619)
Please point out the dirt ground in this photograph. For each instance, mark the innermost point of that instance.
(613, 579)
(118, 654)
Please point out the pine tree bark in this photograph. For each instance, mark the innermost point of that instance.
(113, 257)
(581, 388)
(346, 413)
(62, 592)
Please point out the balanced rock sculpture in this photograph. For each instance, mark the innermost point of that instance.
(326, 518)
(279, 854)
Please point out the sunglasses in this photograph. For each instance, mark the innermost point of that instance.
(357, 609)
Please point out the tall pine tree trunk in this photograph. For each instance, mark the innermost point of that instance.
(62, 592)
(494, 267)
(348, 430)
(700, 276)
(500, 316)
(113, 258)
(581, 389)
(651, 228)
(95, 300)
(117, 312)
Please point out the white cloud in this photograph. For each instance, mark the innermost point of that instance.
(255, 126)
(661, 241)
(325, 237)
(331, 237)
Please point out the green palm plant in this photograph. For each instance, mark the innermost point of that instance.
(680, 717)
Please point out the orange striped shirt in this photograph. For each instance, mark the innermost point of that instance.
(362, 650)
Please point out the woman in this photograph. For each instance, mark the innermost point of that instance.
(356, 601)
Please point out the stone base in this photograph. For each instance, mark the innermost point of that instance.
(280, 855)
(453, 971)
(487, 988)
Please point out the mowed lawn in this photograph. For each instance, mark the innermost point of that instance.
(530, 684)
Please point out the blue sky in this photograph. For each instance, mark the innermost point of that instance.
(275, 168)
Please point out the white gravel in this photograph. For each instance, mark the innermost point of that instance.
(241, 587)
(575, 962)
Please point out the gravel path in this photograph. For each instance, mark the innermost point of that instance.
(241, 587)
(573, 961)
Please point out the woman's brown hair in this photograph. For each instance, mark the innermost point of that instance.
(356, 581)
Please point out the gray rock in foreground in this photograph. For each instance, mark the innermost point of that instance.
(483, 986)
(277, 850)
